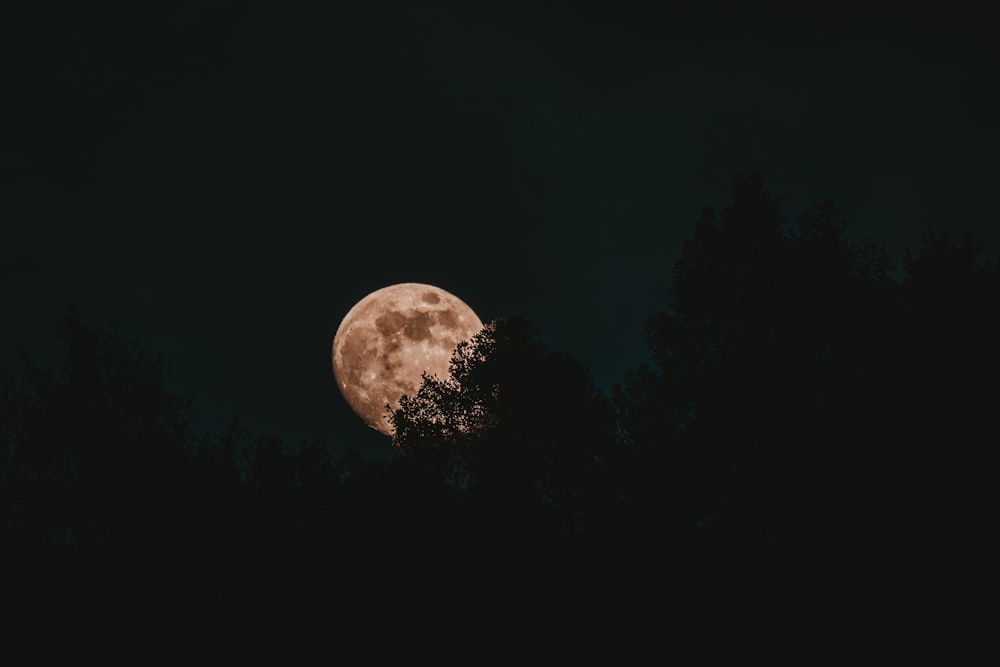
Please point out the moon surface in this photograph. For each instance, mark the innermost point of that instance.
(392, 336)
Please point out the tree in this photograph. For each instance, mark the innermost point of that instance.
(92, 478)
(761, 409)
(945, 363)
(92, 445)
(118, 525)
(513, 417)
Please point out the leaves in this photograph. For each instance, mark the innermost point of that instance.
(513, 416)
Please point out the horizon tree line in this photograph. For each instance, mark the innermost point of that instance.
(798, 400)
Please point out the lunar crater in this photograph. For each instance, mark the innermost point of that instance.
(418, 325)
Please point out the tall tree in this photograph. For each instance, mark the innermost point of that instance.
(94, 443)
(766, 378)
(513, 417)
(92, 480)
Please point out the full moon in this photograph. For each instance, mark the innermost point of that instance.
(390, 338)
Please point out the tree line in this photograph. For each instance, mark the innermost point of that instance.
(801, 407)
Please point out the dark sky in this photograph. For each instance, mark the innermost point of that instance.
(227, 179)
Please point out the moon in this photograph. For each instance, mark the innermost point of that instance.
(390, 338)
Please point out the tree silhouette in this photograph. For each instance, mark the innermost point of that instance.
(88, 445)
(513, 415)
(92, 456)
(524, 433)
(742, 406)
(799, 401)
(799, 397)
(947, 361)
(119, 526)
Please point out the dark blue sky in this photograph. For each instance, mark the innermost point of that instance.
(228, 179)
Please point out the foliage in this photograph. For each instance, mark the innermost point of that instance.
(89, 444)
(799, 400)
(798, 395)
(512, 417)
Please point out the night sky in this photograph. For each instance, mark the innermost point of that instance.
(226, 179)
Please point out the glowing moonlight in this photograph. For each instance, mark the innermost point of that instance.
(392, 336)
